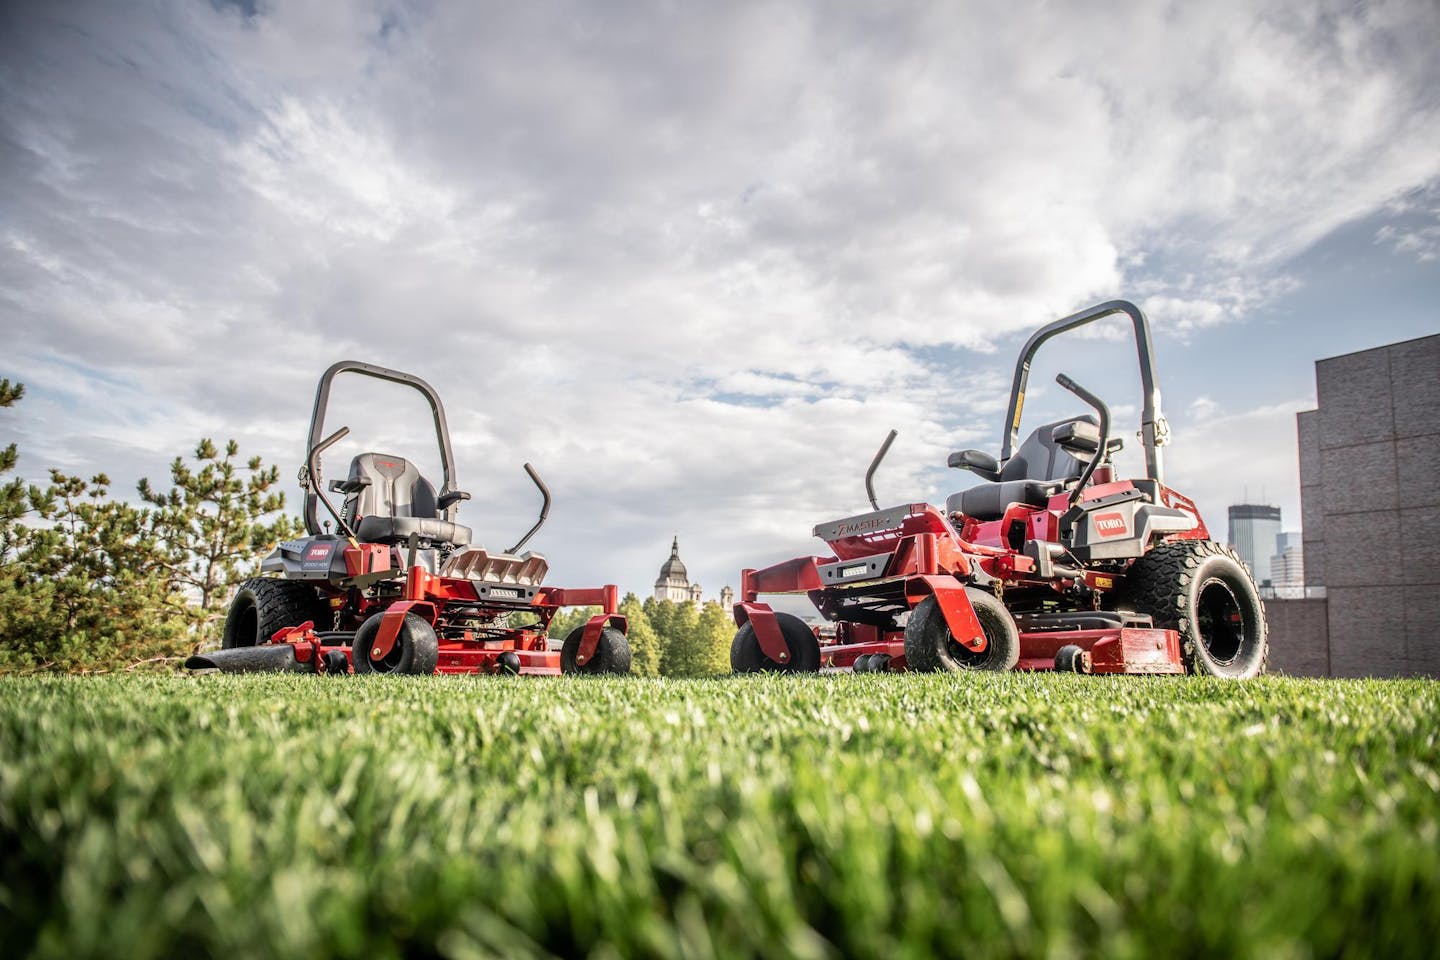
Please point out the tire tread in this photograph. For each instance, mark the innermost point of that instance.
(278, 604)
(1159, 584)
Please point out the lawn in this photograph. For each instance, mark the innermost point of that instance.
(847, 815)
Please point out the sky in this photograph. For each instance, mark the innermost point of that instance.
(693, 260)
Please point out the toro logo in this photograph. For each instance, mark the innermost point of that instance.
(319, 551)
(1111, 525)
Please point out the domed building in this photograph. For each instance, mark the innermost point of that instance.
(674, 581)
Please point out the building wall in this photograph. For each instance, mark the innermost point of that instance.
(1299, 637)
(1312, 506)
(1370, 499)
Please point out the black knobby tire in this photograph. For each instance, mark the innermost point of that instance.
(612, 652)
(416, 649)
(264, 605)
(1202, 590)
(747, 657)
(929, 645)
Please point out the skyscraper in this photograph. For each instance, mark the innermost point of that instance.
(1287, 566)
(1253, 529)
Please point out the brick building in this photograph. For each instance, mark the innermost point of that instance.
(1370, 505)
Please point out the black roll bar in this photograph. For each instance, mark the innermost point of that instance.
(544, 509)
(874, 464)
(317, 426)
(1154, 431)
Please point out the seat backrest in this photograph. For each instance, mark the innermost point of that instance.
(1041, 458)
(396, 489)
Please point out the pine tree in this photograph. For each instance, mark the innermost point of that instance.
(87, 588)
(216, 522)
(95, 584)
(14, 503)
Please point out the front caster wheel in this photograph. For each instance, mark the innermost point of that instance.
(612, 653)
(416, 649)
(747, 657)
(929, 645)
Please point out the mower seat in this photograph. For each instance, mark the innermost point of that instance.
(988, 501)
(387, 500)
(1033, 474)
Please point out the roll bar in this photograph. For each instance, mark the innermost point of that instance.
(874, 464)
(544, 509)
(1154, 431)
(317, 426)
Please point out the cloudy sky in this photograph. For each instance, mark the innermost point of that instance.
(692, 260)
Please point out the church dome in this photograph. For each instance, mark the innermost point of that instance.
(674, 568)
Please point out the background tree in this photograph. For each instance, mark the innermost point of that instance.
(660, 613)
(644, 641)
(86, 589)
(216, 522)
(13, 500)
(682, 650)
(715, 631)
(568, 619)
(90, 583)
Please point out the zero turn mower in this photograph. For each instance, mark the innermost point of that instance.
(1051, 562)
(397, 586)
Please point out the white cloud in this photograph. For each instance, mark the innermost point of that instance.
(1222, 457)
(592, 228)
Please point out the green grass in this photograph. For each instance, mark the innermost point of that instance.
(851, 815)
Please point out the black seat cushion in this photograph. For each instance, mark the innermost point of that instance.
(989, 500)
(398, 530)
(1033, 473)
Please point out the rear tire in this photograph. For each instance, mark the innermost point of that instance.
(264, 605)
(930, 647)
(1202, 590)
(416, 649)
(747, 657)
(612, 653)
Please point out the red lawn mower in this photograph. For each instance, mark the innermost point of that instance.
(1050, 563)
(397, 586)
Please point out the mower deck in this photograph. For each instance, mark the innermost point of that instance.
(1117, 649)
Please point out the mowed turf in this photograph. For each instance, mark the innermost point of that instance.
(846, 815)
